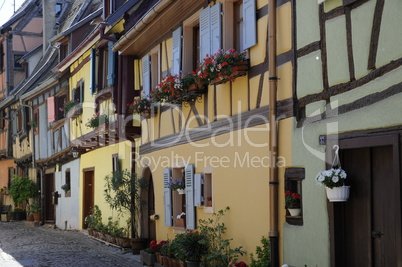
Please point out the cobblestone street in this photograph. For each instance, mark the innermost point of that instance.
(43, 246)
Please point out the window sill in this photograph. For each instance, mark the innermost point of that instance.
(208, 209)
(178, 230)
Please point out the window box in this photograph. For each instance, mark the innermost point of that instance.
(241, 70)
(75, 111)
(181, 223)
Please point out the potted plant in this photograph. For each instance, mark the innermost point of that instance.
(180, 220)
(223, 66)
(168, 89)
(220, 253)
(195, 247)
(292, 201)
(97, 120)
(35, 210)
(177, 185)
(122, 193)
(334, 181)
(21, 190)
(144, 106)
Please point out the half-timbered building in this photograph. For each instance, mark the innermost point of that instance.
(348, 92)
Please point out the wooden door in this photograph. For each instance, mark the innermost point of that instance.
(88, 196)
(49, 192)
(367, 228)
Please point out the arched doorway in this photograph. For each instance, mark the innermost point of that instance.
(147, 194)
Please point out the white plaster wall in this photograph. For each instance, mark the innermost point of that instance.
(67, 209)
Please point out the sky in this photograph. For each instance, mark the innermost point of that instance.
(7, 9)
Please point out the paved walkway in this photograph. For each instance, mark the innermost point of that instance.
(44, 246)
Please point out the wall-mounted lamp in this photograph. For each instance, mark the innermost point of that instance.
(75, 153)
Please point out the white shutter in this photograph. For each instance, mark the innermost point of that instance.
(176, 51)
(198, 197)
(146, 75)
(249, 24)
(216, 28)
(205, 33)
(92, 71)
(190, 210)
(167, 198)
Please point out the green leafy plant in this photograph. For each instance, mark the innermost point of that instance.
(334, 177)
(219, 253)
(97, 120)
(35, 208)
(22, 189)
(122, 193)
(263, 254)
(194, 246)
(67, 106)
(94, 219)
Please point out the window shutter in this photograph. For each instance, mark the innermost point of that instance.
(146, 75)
(81, 91)
(51, 114)
(190, 210)
(176, 51)
(92, 83)
(167, 197)
(205, 35)
(216, 28)
(198, 198)
(249, 24)
(111, 65)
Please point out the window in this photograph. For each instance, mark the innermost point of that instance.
(239, 24)
(293, 182)
(17, 65)
(175, 203)
(106, 67)
(59, 8)
(3, 115)
(60, 100)
(150, 71)
(191, 49)
(102, 68)
(115, 162)
(63, 51)
(68, 183)
(78, 92)
(36, 119)
(1, 58)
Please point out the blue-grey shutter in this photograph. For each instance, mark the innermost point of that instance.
(190, 210)
(216, 28)
(73, 95)
(198, 197)
(205, 34)
(92, 71)
(167, 197)
(111, 63)
(146, 75)
(176, 47)
(249, 24)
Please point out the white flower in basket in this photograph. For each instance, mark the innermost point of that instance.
(334, 181)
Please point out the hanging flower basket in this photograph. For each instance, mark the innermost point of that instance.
(338, 194)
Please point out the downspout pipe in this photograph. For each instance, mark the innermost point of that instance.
(273, 136)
